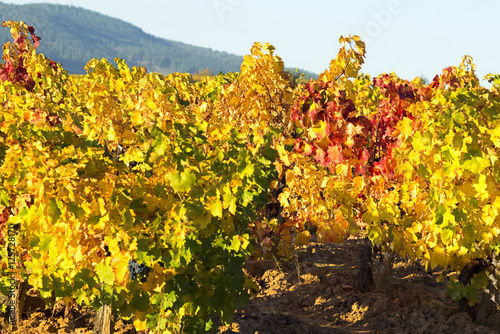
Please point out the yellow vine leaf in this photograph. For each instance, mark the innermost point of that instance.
(137, 118)
(215, 207)
(438, 257)
(303, 238)
(119, 263)
(139, 324)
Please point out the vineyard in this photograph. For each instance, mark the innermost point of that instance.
(151, 194)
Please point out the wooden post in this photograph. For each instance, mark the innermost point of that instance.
(104, 322)
(365, 274)
(16, 303)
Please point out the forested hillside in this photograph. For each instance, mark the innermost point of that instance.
(73, 36)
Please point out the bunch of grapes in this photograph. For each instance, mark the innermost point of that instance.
(135, 269)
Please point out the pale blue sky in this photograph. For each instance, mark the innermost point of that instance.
(409, 37)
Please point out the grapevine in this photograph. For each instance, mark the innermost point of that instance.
(148, 192)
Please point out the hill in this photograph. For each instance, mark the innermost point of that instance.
(72, 36)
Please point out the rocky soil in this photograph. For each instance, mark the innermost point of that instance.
(316, 293)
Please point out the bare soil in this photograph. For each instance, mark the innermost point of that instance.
(315, 293)
(318, 294)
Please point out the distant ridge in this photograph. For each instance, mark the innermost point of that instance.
(72, 36)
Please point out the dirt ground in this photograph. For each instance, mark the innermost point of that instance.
(317, 293)
(406, 299)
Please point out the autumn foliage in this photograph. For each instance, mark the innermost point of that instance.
(187, 177)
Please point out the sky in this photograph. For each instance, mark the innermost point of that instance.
(409, 37)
